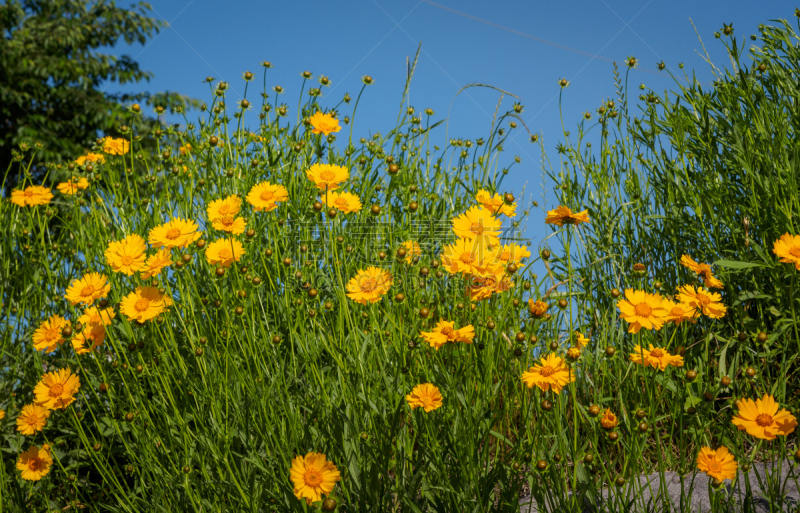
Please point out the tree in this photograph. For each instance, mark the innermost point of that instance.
(53, 75)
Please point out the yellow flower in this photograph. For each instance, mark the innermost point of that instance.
(512, 253)
(609, 420)
(642, 310)
(219, 208)
(126, 256)
(495, 204)
(466, 256)
(483, 286)
(230, 224)
(324, 123)
(479, 224)
(266, 196)
(186, 148)
(413, 249)
(115, 146)
(32, 419)
(72, 186)
(581, 340)
(2, 414)
(91, 337)
(34, 463)
(703, 270)
(703, 300)
(679, 312)
(224, 252)
(327, 176)
(368, 286)
(445, 332)
(550, 372)
(655, 357)
(87, 289)
(563, 215)
(90, 157)
(344, 201)
(94, 316)
(787, 247)
(156, 263)
(761, 418)
(144, 303)
(425, 396)
(48, 336)
(57, 389)
(573, 353)
(313, 476)
(537, 308)
(31, 196)
(177, 233)
(719, 464)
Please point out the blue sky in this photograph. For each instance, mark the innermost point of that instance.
(523, 47)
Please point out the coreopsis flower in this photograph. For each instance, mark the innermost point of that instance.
(496, 204)
(87, 340)
(2, 414)
(265, 196)
(312, 476)
(761, 418)
(581, 340)
(127, 255)
(563, 215)
(31, 196)
(483, 286)
(512, 253)
(679, 312)
(573, 353)
(324, 123)
(185, 149)
(93, 315)
(72, 186)
(87, 289)
(656, 357)
(709, 303)
(608, 420)
(177, 233)
(115, 146)
(156, 263)
(445, 332)
(224, 252)
(229, 224)
(719, 464)
(32, 419)
(327, 176)
(478, 223)
(344, 201)
(224, 207)
(537, 308)
(57, 389)
(642, 310)
(413, 249)
(34, 463)
(425, 396)
(144, 303)
(466, 256)
(47, 336)
(702, 270)
(369, 285)
(94, 158)
(787, 247)
(550, 372)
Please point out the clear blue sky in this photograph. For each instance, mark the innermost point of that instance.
(523, 47)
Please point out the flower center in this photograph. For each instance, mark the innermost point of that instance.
(795, 251)
(224, 210)
(704, 300)
(51, 334)
(764, 420)
(447, 331)
(227, 220)
(547, 371)
(267, 196)
(505, 256)
(714, 466)
(142, 305)
(88, 290)
(95, 319)
(327, 175)
(467, 258)
(677, 312)
(368, 285)
(657, 353)
(126, 260)
(34, 464)
(340, 202)
(643, 310)
(58, 389)
(225, 253)
(28, 194)
(173, 234)
(426, 400)
(312, 477)
(476, 228)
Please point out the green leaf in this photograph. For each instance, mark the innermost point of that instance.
(737, 265)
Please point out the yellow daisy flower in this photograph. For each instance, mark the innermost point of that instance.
(313, 476)
(655, 357)
(126, 256)
(509, 253)
(719, 464)
(31, 196)
(495, 204)
(327, 176)
(225, 207)
(445, 332)
(47, 336)
(537, 309)
(563, 215)
(413, 249)
(32, 419)
(369, 285)
(761, 418)
(115, 146)
(425, 396)
(550, 372)
(787, 247)
(90, 157)
(265, 196)
(478, 223)
(177, 233)
(344, 202)
(72, 186)
(57, 389)
(144, 303)
(324, 123)
(156, 263)
(87, 289)
(466, 256)
(642, 310)
(224, 252)
(34, 463)
(709, 303)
